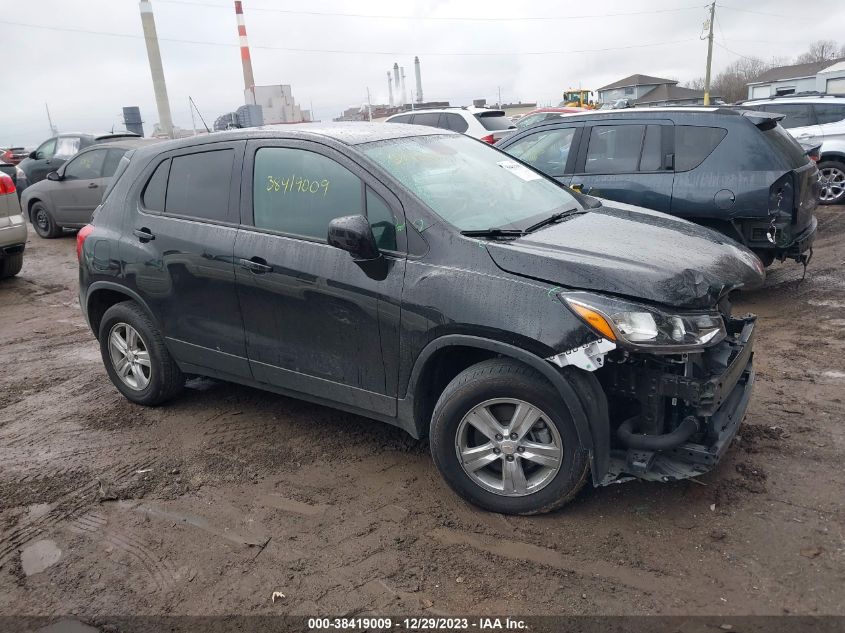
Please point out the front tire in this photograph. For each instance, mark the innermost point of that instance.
(833, 182)
(503, 439)
(11, 265)
(136, 357)
(43, 222)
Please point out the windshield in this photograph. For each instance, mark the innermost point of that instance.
(469, 184)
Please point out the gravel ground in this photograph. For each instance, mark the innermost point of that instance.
(210, 504)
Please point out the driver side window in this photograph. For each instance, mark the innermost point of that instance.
(46, 150)
(86, 166)
(546, 151)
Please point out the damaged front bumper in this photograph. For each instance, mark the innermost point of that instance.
(689, 412)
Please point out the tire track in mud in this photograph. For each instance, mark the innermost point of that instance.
(95, 525)
(67, 507)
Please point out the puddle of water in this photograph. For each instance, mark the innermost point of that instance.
(826, 303)
(38, 556)
(38, 510)
(68, 626)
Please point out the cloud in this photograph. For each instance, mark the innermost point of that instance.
(87, 78)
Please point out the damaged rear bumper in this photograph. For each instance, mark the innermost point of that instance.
(717, 403)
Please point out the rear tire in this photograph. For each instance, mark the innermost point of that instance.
(547, 453)
(43, 222)
(11, 265)
(833, 173)
(136, 357)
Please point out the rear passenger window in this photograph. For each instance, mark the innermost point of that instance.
(402, 118)
(693, 144)
(829, 112)
(797, 114)
(199, 185)
(299, 192)
(112, 161)
(614, 149)
(427, 118)
(454, 122)
(154, 192)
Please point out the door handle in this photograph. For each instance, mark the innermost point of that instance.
(257, 265)
(143, 234)
(92, 185)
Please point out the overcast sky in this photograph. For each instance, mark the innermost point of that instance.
(87, 77)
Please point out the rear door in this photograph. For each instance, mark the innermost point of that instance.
(317, 323)
(81, 189)
(628, 161)
(178, 251)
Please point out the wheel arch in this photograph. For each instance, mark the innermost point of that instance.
(102, 295)
(838, 156)
(31, 203)
(445, 357)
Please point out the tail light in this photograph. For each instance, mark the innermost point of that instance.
(7, 185)
(84, 232)
(488, 139)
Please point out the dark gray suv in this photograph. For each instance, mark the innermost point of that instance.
(738, 172)
(425, 279)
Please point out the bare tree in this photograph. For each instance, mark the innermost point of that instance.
(819, 51)
(695, 84)
(732, 83)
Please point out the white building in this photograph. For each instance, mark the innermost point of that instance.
(827, 77)
(277, 104)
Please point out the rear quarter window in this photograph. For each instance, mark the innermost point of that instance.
(784, 144)
(694, 143)
(494, 122)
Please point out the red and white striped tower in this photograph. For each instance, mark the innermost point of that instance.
(249, 80)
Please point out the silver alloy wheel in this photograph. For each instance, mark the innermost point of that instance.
(509, 447)
(129, 356)
(833, 183)
(41, 219)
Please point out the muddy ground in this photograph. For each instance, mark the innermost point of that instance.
(212, 503)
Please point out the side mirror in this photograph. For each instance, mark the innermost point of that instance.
(353, 234)
(33, 155)
(54, 175)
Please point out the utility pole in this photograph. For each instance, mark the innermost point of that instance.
(709, 54)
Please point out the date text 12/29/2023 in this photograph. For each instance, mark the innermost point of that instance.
(417, 624)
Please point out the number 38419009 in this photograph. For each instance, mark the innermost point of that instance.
(297, 184)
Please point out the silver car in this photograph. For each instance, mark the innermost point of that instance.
(68, 196)
(12, 229)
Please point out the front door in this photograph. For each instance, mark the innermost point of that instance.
(316, 322)
(628, 162)
(177, 248)
(81, 189)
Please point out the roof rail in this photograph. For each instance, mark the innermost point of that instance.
(806, 93)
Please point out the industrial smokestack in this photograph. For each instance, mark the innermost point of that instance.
(390, 87)
(165, 121)
(404, 94)
(396, 80)
(419, 79)
(249, 80)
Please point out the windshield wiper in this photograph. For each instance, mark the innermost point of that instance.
(493, 232)
(555, 217)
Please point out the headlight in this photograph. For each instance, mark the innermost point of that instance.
(637, 325)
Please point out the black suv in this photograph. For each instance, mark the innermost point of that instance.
(425, 279)
(738, 172)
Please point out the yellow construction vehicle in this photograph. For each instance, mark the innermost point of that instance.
(578, 99)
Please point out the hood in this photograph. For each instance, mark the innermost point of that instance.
(633, 252)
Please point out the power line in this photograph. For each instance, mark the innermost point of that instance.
(348, 52)
(774, 15)
(433, 17)
(751, 59)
